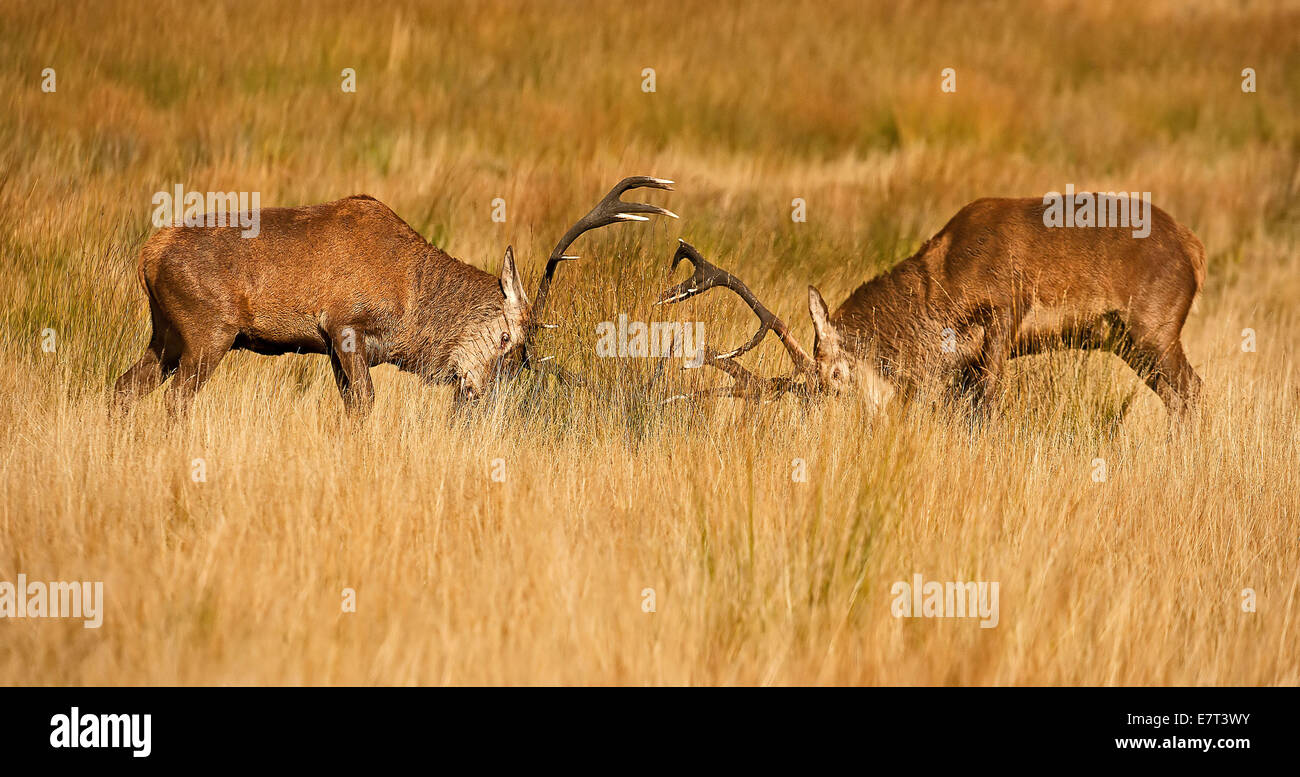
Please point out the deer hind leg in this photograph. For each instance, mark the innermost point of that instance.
(159, 361)
(1155, 352)
(1175, 382)
(351, 366)
(1186, 384)
(1165, 369)
(199, 356)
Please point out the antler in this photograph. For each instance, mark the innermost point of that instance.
(747, 385)
(610, 210)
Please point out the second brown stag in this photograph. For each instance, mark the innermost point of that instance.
(995, 283)
(348, 279)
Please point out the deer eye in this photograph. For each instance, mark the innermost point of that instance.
(505, 338)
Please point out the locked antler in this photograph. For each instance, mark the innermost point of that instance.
(610, 210)
(745, 384)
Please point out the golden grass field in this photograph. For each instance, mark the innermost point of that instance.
(758, 579)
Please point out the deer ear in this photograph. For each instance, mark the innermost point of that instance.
(821, 317)
(511, 286)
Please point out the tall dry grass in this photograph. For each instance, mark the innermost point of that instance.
(757, 578)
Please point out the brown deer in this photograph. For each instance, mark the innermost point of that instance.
(995, 283)
(348, 279)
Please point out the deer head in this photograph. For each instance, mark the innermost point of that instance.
(484, 350)
(834, 369)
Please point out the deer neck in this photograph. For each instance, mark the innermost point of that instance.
(446, 296)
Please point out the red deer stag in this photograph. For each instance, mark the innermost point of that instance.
(348, 279)
(995, 283)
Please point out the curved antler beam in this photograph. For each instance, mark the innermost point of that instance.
(610, 210)
(708, 276)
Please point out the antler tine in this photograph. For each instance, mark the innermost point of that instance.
(707, 276)
(743, 377)
(610, 210)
